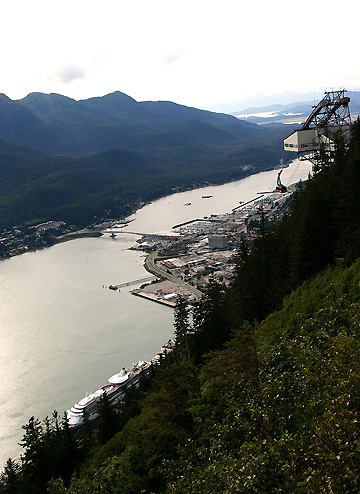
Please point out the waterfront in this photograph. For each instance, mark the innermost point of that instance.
(63, 334)
(162, 215)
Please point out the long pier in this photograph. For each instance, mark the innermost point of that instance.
(248, 202)
(207, 220)
(133, 282)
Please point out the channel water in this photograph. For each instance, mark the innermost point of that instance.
(63, 333)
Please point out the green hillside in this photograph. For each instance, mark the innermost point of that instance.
(110, 183)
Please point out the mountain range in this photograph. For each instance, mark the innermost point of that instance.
(72, 160)
(295, 112)
(52, 123)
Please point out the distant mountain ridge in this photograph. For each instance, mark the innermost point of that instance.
(117, 107)
(57, 124)
(278, 113)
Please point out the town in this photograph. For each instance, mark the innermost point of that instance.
(204, 249)
(182, 263)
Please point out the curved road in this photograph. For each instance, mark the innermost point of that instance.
(153, 268)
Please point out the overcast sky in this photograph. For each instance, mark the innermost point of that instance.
(224, 56)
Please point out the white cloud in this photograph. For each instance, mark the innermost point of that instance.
(196, 53)
(170, 58)
(69, 73)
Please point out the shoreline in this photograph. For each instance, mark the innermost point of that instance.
(77, 234)
(57, 240)
(86, 233)
(153, 298)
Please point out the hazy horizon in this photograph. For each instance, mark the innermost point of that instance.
(199, 54)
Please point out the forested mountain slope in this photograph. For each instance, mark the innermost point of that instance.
(53, 123)
(262, 392)
(68, 178)
(37, 187)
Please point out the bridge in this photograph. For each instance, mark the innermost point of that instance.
(143, 234)
(133, 282)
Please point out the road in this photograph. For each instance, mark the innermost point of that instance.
(153, 268)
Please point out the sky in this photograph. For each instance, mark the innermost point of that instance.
(223, 55)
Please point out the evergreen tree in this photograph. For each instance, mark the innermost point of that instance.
(182, 326)
(87, 434)
(347, 213)
(10, 478)
(212, 322)
(69, 452)
(33, 460)
(108, 421)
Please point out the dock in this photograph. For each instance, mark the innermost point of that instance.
(153, 298)
(133, 282)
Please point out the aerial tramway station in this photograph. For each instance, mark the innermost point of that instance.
(328, 122)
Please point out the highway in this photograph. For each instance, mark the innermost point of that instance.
(153, 268)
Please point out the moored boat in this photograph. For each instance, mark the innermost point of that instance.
(114, 389)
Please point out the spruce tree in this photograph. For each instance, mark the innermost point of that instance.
(10, 478)
(108, 420)
(181, 324)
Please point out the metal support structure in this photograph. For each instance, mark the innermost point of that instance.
(328, 123)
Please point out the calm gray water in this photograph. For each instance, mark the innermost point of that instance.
(161, 215)
(62, 334)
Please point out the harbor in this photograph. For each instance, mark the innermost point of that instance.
(165, 292)
(64, 319)
(155, 298)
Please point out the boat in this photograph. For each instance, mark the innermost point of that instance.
(187, 204)
(114, 389)
(206, 197)
(165, 349)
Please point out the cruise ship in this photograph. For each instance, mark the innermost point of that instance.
(114, 388)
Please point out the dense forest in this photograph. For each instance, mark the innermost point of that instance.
(261, 394)
(81, 161)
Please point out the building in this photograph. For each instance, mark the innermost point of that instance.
(218, 242)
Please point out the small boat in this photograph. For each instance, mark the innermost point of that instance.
(206, 197)
(187, 204)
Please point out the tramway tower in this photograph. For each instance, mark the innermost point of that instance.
(328, 123)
